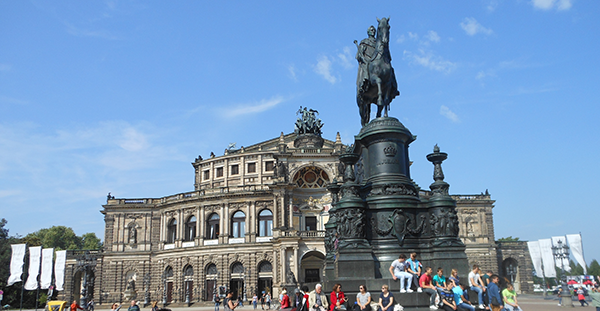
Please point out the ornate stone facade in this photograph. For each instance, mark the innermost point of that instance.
(255, 221)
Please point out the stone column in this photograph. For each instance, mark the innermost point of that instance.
(226, 222)
(296, 263)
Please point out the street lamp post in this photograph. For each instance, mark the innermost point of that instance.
(561, 253)
(511, 270)
(244, 278)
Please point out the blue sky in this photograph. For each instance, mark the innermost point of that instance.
(121, 96)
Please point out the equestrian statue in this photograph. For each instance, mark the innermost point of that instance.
(376, 81)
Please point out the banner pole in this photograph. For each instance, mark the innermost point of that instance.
(25, 264)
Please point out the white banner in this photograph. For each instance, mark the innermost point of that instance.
(59, 269)
(46, 278)
(547, 258)
(16, 263)
(536, 257)
(35, 253)
(560, 263)
(577, 249)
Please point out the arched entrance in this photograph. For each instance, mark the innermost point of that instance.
(265, 277)
(211, 282)
(236, 281)
(510, 270)
(79, 283)
(311, 266)
(188, 283)
(168, 284)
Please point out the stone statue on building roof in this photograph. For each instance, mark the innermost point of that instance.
(308, 122)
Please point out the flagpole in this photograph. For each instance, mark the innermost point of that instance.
(25, 264)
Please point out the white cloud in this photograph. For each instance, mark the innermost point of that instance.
(492, 5)
(432, 36)
(292, 72)
(323, 68)
(413, 36)
(446, 112)
(346, 58)
(261, 106)
(560, 5)
(472, 27)
(428, 60)
(485, 73)
(400, 39)
(80, 32)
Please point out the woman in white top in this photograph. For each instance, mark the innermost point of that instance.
(363, 299)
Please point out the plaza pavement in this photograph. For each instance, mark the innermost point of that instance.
(527, 303)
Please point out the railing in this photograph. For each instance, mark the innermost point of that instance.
(192, 194)
(304, 234)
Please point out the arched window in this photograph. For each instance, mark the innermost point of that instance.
(172, 231)
(212, 227)
(169, 272)
(211, 269)
(265, 266)
(237, 267)
(311, 177)
(188, 271)
(265, 223)
(190, 229)
(238, 224)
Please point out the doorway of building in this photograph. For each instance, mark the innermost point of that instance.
(237, 286)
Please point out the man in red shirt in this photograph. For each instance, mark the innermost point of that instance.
(428, 288)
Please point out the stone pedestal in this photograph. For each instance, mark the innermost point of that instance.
(380, 199)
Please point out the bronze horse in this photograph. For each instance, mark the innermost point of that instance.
(379, 85)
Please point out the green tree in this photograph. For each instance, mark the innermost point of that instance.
(91, 241)
(57, 237)
(509, 239)
(576, 269)
(594, 268)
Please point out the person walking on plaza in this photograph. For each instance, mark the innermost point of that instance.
(254, 300)
(228, 303)
(133, 306)
(475, 284)
(90, 305)
(581, 296)
(75, 306)
(263, 298)
(509, 297)
(154, 306)
(363, 299)
(398, 271)
(386, 299)
(447, 298)
(268, 300)
(428, 288)
(285, 302)
(317, 299)
(494, 294)
(115, 307)
(460, 299)
(414, 267)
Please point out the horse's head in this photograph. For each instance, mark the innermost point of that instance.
(383, 30)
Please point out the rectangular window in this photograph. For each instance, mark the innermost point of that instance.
(206, 175)
(251, 167)
(311, 223)
(269, 166)
(311, 276)
(219, 172)
(235, 169)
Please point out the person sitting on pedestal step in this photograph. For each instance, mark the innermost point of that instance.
(317, 299)
(363, 299)
(398, 271)
(439, 280)
(460, 297)
(386, 299)
(454, 277)
(494, 293)
(285, 301)
(428, 288)
(447, 298)
(475, 284)
(581, 296)
(338, 299)
(415, 268)
(510, 298)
